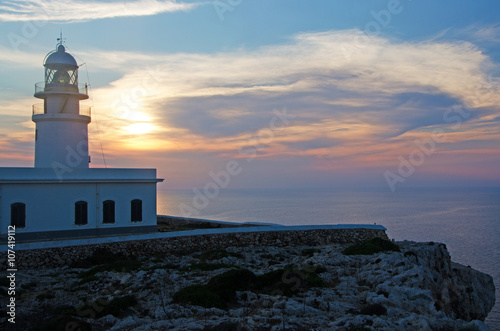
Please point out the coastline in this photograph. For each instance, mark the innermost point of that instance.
(414, 287)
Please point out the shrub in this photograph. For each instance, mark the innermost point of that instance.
(374, 309)
(120, 265)
(227, 326)
(226, 284)
(203, 266)
(371, 246)
(162, 266)
(61, 322)
(4, 281)
(221, 289)
(102, 306)
(320, 269)
(217, 254)
(102, 256)
(310, 251)
(199, 295)
(28, 286)
(288, 281)
(118, 305)
(84, 280)
(64, 310)
(45, 295)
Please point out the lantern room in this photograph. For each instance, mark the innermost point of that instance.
(60, 68)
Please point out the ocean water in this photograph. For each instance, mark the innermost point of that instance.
(466, 220)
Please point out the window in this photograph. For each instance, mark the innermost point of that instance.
(61, 77)
(108, 211)
(136, 212)
(18, 215)
(81, 213)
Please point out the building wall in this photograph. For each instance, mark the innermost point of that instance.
(61, 138)
(50, 207)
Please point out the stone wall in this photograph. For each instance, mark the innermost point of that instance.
(61, 256)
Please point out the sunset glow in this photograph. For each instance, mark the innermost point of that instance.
(357, 101)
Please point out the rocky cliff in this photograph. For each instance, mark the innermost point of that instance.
(414, 287)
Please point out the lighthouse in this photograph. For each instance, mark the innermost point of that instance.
(61, 136)
(61, 197)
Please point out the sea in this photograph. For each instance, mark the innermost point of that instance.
(467, 220)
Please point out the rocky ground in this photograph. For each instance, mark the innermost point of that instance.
(257, 288)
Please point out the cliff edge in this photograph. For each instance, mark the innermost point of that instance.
(411, 286)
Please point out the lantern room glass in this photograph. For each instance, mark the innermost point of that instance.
(61, 76)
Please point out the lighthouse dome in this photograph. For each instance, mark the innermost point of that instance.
(60, 58)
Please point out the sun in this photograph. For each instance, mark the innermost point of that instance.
(140, 128)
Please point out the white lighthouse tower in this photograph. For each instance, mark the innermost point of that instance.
(61, 138)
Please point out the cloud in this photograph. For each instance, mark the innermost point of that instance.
(78, 11)
(479, 33)
(378, 96)
(352, 111)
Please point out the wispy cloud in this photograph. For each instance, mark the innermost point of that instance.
(78, 11)
(479, 33)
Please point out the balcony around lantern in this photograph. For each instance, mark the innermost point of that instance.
(80, 90)
(39, 109)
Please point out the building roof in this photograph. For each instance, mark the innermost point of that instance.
(60, 57)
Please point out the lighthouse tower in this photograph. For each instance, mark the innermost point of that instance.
(61, 136)
(61, 197)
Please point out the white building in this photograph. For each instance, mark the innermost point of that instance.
(61, 197)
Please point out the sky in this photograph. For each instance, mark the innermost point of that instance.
(269, 94)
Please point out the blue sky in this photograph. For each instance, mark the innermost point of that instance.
(188, 86)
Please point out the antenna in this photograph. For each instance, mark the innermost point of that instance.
(61, 39)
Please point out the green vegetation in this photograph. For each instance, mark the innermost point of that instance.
(28, 286)
(64, 310)
(410, 253)
(87, 279)
(320, 269)
(103, 306)
(217, 254)
(288, 281)
(371, 246)
(199, 295)
(220, 290)
(103, 256)
(162, 266)
(118, 305)
(227, 326)
(117, 263)
(279, 257)
(4, 281)
(373, 309)
(157, 259)
(45, 295)
(469, 328)
(208, 266)
(310, 251)
(226, 284)
(62, 323)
